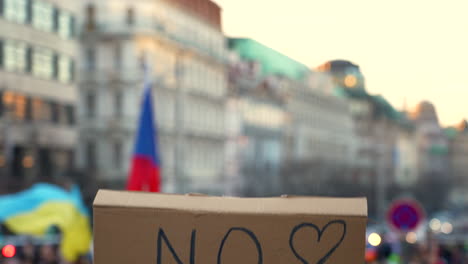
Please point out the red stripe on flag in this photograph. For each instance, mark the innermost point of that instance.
(144, 175)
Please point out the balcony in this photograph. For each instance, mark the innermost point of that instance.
(106, 75)
(157, 29)
(110, 125)
(43, 134)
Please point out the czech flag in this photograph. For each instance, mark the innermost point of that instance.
(145, 168)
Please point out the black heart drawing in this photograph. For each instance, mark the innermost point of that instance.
(319, 233)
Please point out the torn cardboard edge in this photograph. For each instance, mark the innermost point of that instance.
(285, 205)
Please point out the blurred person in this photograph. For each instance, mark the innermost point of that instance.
(458, 254)
(48, 254)
(384, 251)
(12, 261)
(445, 255)
(83, 260)
(27, 254)
(415, 259)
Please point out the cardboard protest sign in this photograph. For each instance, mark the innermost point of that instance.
(165, 229)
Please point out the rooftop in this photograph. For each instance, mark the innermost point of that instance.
(382, 106)
(272, 62)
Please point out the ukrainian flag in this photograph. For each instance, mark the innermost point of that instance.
(35, 210)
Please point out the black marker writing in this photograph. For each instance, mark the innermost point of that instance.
(319, 236)
(162, 236)
(250, 234)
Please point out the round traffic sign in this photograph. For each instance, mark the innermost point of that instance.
(405, 215)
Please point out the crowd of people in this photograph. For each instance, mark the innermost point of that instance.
(431, 253)
(41, 254)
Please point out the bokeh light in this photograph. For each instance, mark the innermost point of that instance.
(411, 237)
(9, 251)
(435, 224)
(446, 228)
(350, 81)
(374, 239)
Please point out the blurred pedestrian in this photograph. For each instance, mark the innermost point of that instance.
(48, 255)
(458, 254)
(384, 251)
(27, 255)
(446, 254)
(83, 260)
(12, 261)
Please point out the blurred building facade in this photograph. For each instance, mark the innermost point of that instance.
(321, 126)
(183, 44)
(376, 122)
(386, 156)
(430, 139)
(256, 126)
(288, 121)
(38, 95)
(406, 157)
(458, 156)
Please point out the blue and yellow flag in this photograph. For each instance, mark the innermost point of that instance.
(35, 210)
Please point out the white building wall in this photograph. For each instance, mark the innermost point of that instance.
(322, 125)
(176, 63)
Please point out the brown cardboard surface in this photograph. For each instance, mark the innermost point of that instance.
(165, 229)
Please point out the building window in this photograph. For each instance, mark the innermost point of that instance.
(43, 16)
(118, 57)
(15, 10)
(37, 109)
(55, 19)
(91, 154)
(29, 59)
(90, 59)
(117, 154)
(55, 66)
(70, 111)
(8, 102)
(90, 105)
(55, 113)
(72, 70)
(42, 63)
(2, 9)
(90, 17)
(20, 107)
(2, 109)
(65, 27)
(18, 154)
(64, 69)
(28, 110)
(1, 53)
(29, 11)
(118, 104)
(130, 16)
(46, 112)
(63, 117)
(15, 56)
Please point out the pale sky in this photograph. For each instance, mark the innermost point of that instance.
(413, 49)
